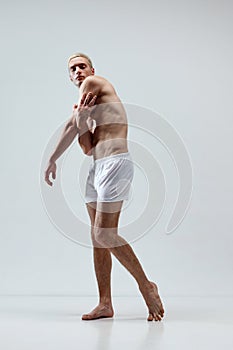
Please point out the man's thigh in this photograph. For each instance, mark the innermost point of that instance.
(107, 214)
(91, 208)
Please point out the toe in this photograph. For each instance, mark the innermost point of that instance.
(87, 317)
(155, 317)
(161, 313)
(150, 317)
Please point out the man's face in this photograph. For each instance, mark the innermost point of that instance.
(79, 69)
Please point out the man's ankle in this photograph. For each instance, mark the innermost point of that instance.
(106, 300)
(145, 285)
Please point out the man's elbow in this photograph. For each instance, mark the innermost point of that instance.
(87, 151)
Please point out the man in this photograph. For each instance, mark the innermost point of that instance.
(100, 121)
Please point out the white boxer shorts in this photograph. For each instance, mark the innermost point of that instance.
(110, 179)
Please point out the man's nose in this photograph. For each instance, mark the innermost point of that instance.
(77, 70)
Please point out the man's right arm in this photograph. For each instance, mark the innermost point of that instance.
(76, 125)
(68, 135)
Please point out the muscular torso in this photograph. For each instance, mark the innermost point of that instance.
(110, 133)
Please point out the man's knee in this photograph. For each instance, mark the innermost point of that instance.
(104, 236)
(95, 242)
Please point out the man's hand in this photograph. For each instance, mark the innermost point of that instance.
(83, 111)
(51, 169)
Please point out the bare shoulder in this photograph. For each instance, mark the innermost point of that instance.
(94, 80)
(97, 84)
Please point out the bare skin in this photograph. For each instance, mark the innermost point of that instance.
(103, 266)
(100, 120)
(104, 220)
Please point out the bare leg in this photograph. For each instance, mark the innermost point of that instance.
(105, 232)
(103, 266)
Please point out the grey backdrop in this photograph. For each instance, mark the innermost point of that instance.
(174, 57)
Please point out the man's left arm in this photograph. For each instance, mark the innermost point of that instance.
(89, 92)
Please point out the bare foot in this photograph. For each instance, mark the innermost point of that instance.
(153, 301)
(101, 311)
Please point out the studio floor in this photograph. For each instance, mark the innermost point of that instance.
(47, 323)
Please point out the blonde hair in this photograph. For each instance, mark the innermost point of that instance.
(79, 54)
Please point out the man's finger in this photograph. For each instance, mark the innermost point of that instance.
(92, 102)
(88, 99)
(82, 101)
(48, 181)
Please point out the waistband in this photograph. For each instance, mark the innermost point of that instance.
(124, 155)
